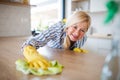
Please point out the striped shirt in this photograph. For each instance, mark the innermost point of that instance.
(53, 37)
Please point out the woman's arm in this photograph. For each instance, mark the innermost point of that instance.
(44, 37)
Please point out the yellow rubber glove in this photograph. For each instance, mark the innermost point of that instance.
(34, 59)
(80, 50)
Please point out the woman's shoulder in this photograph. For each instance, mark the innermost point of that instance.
(83, 39)
(57, 26)
(81, 42)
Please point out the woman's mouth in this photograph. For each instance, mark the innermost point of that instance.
(73, 37)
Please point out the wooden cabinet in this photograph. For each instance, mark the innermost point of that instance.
(16, 2)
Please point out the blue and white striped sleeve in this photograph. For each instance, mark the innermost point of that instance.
(81, 42)
(44, 37)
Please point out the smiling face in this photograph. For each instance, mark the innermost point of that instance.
(77, 31)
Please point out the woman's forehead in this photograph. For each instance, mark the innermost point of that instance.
(82, 24)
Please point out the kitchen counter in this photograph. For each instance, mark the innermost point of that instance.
(77, 66)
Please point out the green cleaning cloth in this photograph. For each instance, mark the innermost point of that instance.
(23, 66)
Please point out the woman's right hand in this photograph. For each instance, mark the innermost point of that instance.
(34, 59)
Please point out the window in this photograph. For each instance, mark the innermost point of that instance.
(44, 14)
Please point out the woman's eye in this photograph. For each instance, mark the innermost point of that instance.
(82, 30)
(75, 27)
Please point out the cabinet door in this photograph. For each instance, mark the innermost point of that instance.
(105, 46)
(99, 46)
(91, 45)
(119, 47)
(97, 5)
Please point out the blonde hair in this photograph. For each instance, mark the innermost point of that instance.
(76, 17)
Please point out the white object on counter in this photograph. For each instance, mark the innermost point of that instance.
(99, 35)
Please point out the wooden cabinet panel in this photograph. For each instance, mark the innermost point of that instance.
(4, 0)
(15, 3)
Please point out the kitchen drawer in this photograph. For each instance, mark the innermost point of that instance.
(105, 44)
(119, 44)
(98, 45)
(103, 51)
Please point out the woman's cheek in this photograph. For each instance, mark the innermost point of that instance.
(81, 36)
(70, 31)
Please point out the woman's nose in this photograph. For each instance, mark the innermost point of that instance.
(77, 32)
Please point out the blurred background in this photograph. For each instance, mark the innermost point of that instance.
(29, 17)
(25, 18)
